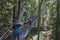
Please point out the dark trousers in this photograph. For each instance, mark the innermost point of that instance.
(16, 36)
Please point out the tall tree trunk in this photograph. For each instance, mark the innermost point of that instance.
(19, 8)
(39, 18)
(58, 21)
(16, 10)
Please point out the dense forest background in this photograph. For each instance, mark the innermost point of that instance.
(46, 10)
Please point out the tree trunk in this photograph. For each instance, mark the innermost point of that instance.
(39, 18)
(58, 21)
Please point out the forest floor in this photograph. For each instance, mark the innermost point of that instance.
(42, 33)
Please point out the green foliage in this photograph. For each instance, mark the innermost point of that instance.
(48, 12)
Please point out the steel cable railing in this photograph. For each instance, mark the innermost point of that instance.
(6, 32)
(25, 31)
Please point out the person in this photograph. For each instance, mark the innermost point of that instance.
(49, 33)
(16, 31)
